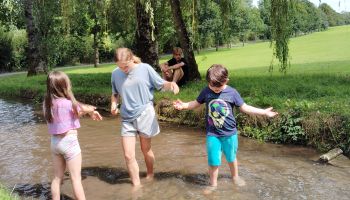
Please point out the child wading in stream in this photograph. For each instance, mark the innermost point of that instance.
(221, 126)
(62, 112)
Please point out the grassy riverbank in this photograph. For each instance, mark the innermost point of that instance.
(312, 98)
(5, 194)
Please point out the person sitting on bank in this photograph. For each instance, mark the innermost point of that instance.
(175, 69)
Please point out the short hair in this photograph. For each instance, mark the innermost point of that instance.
(177, 50)
(217, 75)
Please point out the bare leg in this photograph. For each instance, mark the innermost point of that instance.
(213, 173)
(167, 75)
(178, 74)
(237, 180)
(130, 159)
(59, 166)
(74, 167)
(148, 155)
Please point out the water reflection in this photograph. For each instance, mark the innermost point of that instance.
(271, 171)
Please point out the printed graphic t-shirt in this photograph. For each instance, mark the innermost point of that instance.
(220, 120)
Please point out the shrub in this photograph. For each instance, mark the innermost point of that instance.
(6, 50)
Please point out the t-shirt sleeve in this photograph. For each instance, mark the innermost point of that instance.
(155, 80)
(171, 62)
(237, 99)
(202, 96)
(114, 89)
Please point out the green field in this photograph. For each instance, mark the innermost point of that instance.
(316, 84)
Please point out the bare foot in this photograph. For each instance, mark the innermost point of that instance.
(238, 181)
(149, 177)
(136, 192)
(136, 188)
(210, 189)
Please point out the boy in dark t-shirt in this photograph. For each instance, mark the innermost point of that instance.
(221, 126)
(175, 69)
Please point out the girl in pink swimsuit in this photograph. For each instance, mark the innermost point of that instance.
(62, 112)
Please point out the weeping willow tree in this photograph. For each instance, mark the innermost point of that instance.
(281, 11)
(67, 7)
(146, 44)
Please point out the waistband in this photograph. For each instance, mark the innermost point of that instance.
(72, 131)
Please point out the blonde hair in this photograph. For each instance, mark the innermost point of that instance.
(177, 50)
(58, 85)
(125, 54)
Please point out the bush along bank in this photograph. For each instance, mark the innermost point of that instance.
(318, 130)
(323, 131)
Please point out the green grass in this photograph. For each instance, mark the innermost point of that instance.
(5, 194)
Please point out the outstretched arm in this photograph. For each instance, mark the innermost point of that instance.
(251, 110)
(171, 86)
(91, 110)
(179, 105)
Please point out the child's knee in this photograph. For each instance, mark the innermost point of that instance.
(58, 179)
(129, 158)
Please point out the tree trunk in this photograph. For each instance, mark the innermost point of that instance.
(36, 65)
(146, 47)
(184, 40)
(96, 53)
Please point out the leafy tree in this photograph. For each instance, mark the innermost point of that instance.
(264, 8)
(146, 45)
(184, 40)
(281, 30)
(333, 17)
(210, 25)
(122, 21)
(36, 64)
(12, 14)
(6, 50)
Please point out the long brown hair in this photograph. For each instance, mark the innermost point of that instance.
(125, 54)
(58, 86)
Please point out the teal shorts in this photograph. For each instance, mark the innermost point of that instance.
(217, 145)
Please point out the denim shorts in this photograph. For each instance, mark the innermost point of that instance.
(146, 125)
(217, 145)
(66, 145)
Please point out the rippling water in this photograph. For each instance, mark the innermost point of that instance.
(271, 171)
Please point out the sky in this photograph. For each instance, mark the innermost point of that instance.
(344, 4)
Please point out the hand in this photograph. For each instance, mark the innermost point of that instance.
(174, 88)
(114, 109)
(95, 116)
(178, 104)
(270, 113)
